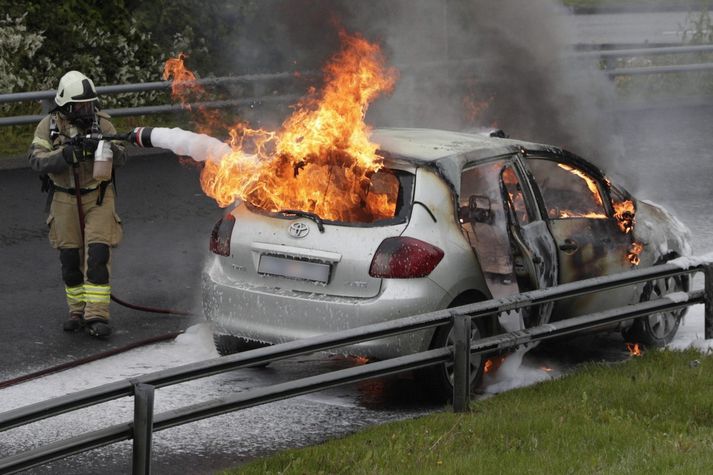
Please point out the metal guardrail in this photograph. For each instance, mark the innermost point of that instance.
(46, 97)
(142, 387)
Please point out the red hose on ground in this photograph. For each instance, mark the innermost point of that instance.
(86, 359)
(149, 309)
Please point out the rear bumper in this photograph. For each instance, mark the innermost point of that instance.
(276, 315)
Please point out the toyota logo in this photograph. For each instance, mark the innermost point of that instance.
(298, 230)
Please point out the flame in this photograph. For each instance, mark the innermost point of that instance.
(321, 159)
(492, 364)
(546, 369)
(625, 215)
(633, 254)
(593, 188)
(634, 349)
(183, 80)
(565, 213)
(185, 88)
(591, 184)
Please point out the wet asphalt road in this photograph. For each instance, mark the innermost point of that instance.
(167, 222)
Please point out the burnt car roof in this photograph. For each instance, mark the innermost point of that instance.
(449, 151)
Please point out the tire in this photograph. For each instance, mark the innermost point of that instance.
(440, 377)
(230, 344)
(658, 329)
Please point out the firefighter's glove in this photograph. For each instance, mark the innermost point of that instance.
(69, 152)
(89, 146)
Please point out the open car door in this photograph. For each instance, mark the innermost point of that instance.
(512, 243)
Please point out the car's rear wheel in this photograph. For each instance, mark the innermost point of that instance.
(230, 344)
(658, 329)
(439, 378)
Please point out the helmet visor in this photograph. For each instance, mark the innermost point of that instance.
(81, 109)
(81, 113)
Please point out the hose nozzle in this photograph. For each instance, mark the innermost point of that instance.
(141, 136)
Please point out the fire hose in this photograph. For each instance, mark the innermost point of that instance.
(87, 359)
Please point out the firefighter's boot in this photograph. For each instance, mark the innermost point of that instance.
(98, 327)
(74, 323)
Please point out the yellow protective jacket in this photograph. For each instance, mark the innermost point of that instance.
(45, 154)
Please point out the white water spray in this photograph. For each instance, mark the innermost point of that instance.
(199, 147)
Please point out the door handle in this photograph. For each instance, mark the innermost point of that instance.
(569, 245)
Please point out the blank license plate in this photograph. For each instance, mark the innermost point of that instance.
(303, 270)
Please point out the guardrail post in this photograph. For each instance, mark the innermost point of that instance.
(708, 298)
(143, 428)
(461, 365)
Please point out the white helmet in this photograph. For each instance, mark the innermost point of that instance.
(75, 87)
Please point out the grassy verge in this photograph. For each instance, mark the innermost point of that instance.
(650, 415)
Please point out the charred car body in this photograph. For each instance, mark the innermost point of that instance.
(475, 216)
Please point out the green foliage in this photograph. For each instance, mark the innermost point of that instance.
(651, 415)
(114, 41)
(50, 38)
(206, 31)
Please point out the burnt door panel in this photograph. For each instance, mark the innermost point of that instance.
(590, 248)
(485, 224)
(589, 240)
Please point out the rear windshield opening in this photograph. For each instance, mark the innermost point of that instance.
(383, 199)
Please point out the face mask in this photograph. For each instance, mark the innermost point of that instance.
(81, 114)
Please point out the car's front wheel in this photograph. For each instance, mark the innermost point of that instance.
(658, 329)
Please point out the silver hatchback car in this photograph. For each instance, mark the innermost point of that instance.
(475, 216)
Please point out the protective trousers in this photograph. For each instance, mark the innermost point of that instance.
(86, 263)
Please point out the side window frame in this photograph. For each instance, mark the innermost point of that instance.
(513, 161)
(531, 211)
(598, 179)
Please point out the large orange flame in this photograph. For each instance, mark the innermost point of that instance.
(321, 159)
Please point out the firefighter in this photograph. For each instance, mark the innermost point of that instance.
(83, 224)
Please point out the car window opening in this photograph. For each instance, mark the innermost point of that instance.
(568, 192)
(383, 198)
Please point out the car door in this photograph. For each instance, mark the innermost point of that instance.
(500, 219)
(589, 240)
(535, 252)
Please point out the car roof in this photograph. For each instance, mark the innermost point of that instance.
(448, 151)
(427, 145)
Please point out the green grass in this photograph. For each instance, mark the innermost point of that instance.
(650, 415)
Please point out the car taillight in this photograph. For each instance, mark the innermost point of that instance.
(220, 236)
(404, 258)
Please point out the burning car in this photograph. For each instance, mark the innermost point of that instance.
(449, 219)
